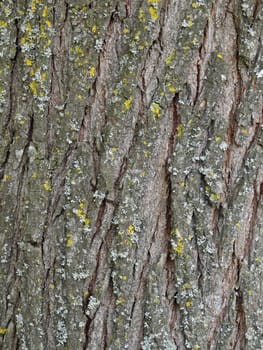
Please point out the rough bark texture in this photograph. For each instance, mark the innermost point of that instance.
(131, 174)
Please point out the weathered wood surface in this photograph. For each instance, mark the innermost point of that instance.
(131, 174)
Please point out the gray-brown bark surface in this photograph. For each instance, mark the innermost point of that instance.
(131, 174)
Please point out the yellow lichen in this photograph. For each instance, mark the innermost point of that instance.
(28, 28)
(130, 229)
(92, 71)
(33, 6)
(137, 35)
(3, 23)
(48, 23)
(141, 16)
(156, 300)
(188, 303)
(23, 40)
(244, 131)
(146, 154)
(46, 186)
(81, 214)
(120, 300)
(43, 76)
(175, 232)
(179, 130)
(3, 330)
(7, 11)
(185, 286)
(44, 12)
(172, 89)
(127, 103)
(5, 178)
(179, 247)
(28, 62)
(195, 41)
(155, 108)
(94, 29)
(214, 197)
(128, 242)
(153, 13)
(169, 58)
(195, 5)
(79, 51)
(69, 240)
(33, 87)
(114, 149)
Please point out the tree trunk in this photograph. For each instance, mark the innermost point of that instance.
(131, 174)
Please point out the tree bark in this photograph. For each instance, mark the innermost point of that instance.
(131, 174)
